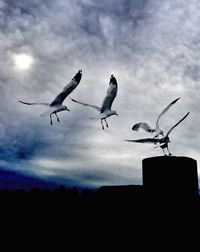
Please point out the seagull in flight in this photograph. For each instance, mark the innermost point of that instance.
(163, 142)
(157, 130)
(105, 109)
(56, 105)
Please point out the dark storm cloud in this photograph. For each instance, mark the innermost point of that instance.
(152, 47)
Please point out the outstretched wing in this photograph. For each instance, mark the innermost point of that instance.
(145, 140)
(86, 104)
(110, 96)
(142, 125)
(164, 111)
(35, 103)
(176, 124)
(67, 89)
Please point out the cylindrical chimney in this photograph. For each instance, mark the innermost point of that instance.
(170, 175)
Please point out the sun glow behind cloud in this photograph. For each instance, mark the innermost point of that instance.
(22, 61)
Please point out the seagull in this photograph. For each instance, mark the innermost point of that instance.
(105, 109)
(163, 142)
(157, 130)
(56, 105)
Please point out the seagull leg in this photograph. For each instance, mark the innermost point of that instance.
(102, 124)
(51, 119)
(169, 151)
(106, 123)
(164, 152)
(58, 120)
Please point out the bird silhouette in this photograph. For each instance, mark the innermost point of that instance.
(145, 126)
(163, 142)
(56, 105)
(105, 109)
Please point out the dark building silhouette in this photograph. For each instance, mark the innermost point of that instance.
(134, 215)
(172, 176)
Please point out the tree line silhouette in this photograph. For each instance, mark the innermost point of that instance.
(108, 215)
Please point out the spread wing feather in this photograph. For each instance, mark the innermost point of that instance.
(165, 110)
(35, 103)
(145, 140)
(177, 124)
(86, 104)
(142, 125)
(67, 89)
(110, 96)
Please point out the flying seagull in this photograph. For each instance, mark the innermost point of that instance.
(105, 109)
(56, 105)
(157, 130)
(163, 142)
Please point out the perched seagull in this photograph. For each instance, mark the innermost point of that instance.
(157, 130)
(105, 109)
(56, 105)
(163, 142)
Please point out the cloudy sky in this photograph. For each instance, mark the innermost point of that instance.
(152, 48)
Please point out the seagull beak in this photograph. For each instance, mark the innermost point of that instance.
(117, 114)
(68, 109)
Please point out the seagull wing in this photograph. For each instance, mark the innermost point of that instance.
(142, 125)
(145, 140)
(35, 103)
(164, 111)
(176, 124)
(67, 89)
(86, 104)
(110, 96)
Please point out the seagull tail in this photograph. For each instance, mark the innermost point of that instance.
(47, 112)
(95, 118)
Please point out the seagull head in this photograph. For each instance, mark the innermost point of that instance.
(161, 132)
(115, 113)
(65, 108)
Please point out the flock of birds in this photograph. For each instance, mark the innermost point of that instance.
(105, 111)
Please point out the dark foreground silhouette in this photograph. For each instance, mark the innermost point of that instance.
(116, 215)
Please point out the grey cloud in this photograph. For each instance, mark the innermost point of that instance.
(151, 47)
